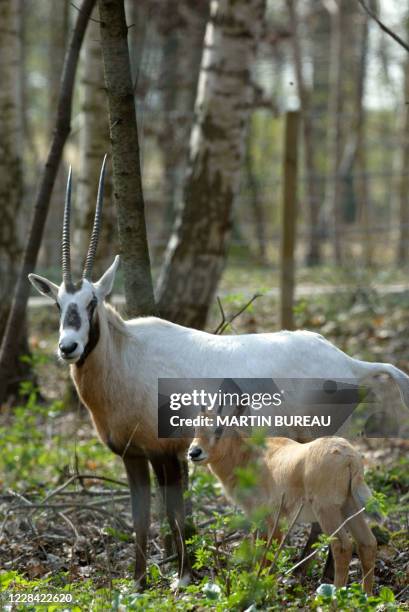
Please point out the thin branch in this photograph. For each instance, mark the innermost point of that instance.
(383, 26)
(220, 305)
(77, 8)
(272, 536)
(284, 540)
(223, 325)
(130, 439)
(314, 552)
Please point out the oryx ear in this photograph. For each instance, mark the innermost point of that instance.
(44, 286)
(104, 286)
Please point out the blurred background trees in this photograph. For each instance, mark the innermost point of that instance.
(11, 166)
(208, 206)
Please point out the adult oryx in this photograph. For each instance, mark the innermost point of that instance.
(116, 364)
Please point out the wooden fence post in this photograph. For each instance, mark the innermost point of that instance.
(289, 220)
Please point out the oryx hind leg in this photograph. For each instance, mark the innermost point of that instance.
(313, 538)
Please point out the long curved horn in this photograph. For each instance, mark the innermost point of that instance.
(66, 258)
(89, 262)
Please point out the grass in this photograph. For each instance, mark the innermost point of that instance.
(86, 549)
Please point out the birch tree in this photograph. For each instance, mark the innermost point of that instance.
(182, 27)
(196, 252)
(93, 144)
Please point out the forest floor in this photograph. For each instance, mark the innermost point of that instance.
(65, 524)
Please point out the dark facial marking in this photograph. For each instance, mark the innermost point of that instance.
(72, 317)
(91, 307)
(93, 336)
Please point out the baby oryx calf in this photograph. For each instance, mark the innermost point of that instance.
(324, 477)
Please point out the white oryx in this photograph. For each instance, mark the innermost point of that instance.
(116, 364)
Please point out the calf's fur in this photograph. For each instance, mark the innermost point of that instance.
(324, 477)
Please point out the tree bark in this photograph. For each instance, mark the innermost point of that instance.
(182, 27)
(313, 202)
(138, 17)
(361, 180)
(402, 254)
(59, 20)
(11, 175)
(127, 182)
(94, 143)
(12, 334)
(196, 252)
(318, 99)
(256, 201)
(289, 221)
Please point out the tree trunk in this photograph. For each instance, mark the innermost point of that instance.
(402, 254)
(289, 221)
(403, 193)
(336, 109)
(94, 143)
(361, 180)
(318, 99)
(256, 201)
(13, 331)
(127, 182)
(313, 202)
(182, 27)
(138, 18)
(11, 175)
(196, 252)
(58, 39)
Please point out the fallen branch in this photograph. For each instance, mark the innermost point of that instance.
(82, 477)
(72, 506)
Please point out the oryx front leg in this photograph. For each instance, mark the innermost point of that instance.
(137, 469)
(168, 471)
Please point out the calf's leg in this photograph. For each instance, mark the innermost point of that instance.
(367, 546)
(328, 572)
(330, 518)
